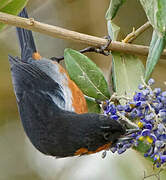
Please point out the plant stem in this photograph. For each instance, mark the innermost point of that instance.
(135, 33)
(62, 33)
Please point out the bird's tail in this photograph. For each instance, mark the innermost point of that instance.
(27, 44)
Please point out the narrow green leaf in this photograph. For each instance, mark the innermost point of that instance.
(127, 72)
(93, 107)
(113, 30)
(86, 75)
(113, 8)
(155, 11)
(156, 48)
(12, 7)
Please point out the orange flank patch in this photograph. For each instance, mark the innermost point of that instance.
(83, 151)
(105, 146)
(36, 56)
(78, 100)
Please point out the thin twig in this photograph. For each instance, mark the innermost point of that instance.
(157, 175)
(62, 33)
(135, 33)
(123, 118)
(126, 120)
(115, 96)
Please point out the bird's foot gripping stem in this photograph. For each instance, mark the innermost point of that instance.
(101, 50)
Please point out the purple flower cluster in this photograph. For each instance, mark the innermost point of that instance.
(148, 109)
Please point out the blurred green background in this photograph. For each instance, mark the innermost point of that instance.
(18, 158)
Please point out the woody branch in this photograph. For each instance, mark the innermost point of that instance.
(62, 33)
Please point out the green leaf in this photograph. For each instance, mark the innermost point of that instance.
(86, 75)
(156, 48)
(3, 3)
(93, 107)
(113, 30)
(155, 11)
(12, 7)
(113, 8)
(142, 148)
(127, 72)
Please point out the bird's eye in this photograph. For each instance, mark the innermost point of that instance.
(106, 136)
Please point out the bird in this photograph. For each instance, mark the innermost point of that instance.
(53, 109)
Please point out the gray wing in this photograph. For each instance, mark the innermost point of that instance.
(29, 78)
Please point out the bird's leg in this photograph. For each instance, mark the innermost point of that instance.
(101, 50)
